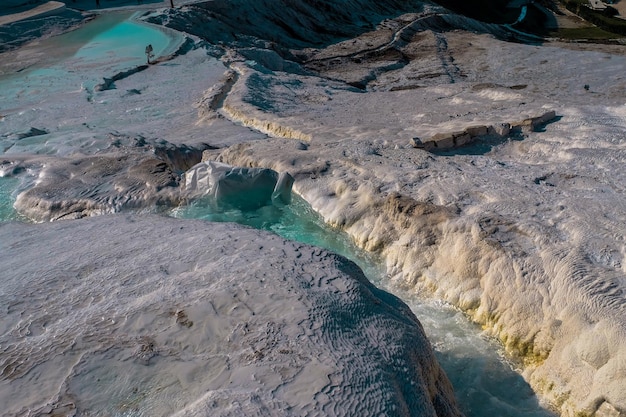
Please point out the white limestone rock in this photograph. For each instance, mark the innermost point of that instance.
(81, 186)
(526, 235)
(158, 316)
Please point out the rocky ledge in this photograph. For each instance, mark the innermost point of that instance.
(450, 140)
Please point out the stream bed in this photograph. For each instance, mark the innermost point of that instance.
(485, 381)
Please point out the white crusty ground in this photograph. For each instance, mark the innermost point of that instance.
(156, 316)
(525, 234)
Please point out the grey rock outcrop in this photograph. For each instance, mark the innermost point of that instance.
(444, 141)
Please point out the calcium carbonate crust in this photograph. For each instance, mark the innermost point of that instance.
(524, 231)
(506, 237)
(161, 316)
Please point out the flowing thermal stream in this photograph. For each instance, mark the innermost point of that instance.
(485, 382)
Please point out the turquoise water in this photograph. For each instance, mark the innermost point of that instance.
(296, 221)
(8, 185)
(125, 40)
(109, 44)
(72, 62)
(485, 382)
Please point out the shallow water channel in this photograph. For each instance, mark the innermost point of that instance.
(485, 382)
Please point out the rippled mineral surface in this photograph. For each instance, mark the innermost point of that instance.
(481, 165)
(161, 316)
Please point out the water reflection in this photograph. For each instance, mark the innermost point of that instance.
(8, 187)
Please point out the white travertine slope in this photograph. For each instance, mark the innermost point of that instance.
(524, 233)
(537, 261)
(157, 316)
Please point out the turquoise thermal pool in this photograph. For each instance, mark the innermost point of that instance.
(81, 58)
(8, 186)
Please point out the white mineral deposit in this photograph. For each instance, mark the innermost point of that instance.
(476, 170)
